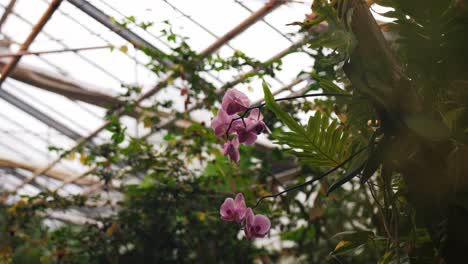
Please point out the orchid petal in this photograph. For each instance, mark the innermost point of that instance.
(222, 121)
(227, 210)
(231, 149)
(262, 225)
(246, 137)
(235, 101)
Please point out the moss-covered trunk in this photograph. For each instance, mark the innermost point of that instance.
(435, 171)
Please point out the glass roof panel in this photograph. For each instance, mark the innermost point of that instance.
(26, 138)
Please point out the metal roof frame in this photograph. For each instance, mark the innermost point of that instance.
(78, 93)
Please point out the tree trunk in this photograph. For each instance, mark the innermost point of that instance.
(435, 173)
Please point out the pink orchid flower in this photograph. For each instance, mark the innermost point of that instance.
(231, 149)
(233, 209)
(221, 122)
(251, 127)
(235, 101)
(256, 225)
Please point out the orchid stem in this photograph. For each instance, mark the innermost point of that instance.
(282, 99)
(312, 180)
(304, 96)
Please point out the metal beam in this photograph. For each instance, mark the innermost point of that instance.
(140, 43)
(34, 33)
(38, 114)
(67, 87)
(266, 22)
(24, 53)
(194, 21)
(27, 129)
(54, 174)
(108, 22)
(7, 12)
(252, 19)
(15, 173)
(61, 43)
(78, 144)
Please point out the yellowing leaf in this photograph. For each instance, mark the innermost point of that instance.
(341, 244)
(5, 250)
(71, 156)
(124, 49)
(263, 192)
(147, 122)
(112, 229)
(386, 257)
(201, 216)
(316, 212)
(14, 208)
(83, 159)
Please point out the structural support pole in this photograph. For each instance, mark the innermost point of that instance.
(68, 87)
(54, 174)
(139, 42)
(39, 115)
(249, 21)
(108, 22)
(35, 31)
(7, 12)
(23, 53)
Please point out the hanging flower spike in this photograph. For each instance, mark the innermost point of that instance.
(221, 123)
(235, 101)
(231, 149)
(256, 225)
(254, 126)
(233, 210)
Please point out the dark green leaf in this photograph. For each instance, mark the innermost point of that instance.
(356, 167)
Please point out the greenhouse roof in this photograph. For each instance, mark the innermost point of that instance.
(56, 95)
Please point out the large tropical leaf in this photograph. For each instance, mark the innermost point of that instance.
(322, 143)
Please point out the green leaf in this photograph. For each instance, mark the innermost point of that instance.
(356, 167)
(386, 258)
(329, 86)
(280, 114)
(321, 143)
(352, 241)
(376, 156)
(299, 234)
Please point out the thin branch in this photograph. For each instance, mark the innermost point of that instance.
(24, 52)
(305, 96)
(32, 35)
(313, 180)
(380, 209)
(278, 100)
(7, 13)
